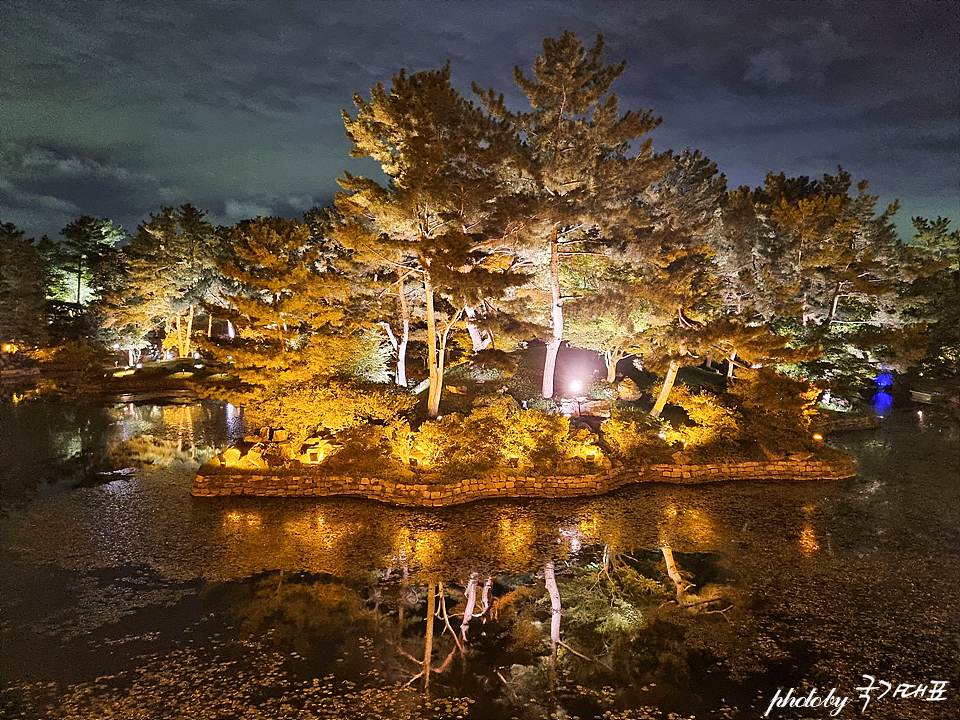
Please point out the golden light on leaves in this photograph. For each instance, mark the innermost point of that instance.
(686, 524)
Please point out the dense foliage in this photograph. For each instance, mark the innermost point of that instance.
(498, 227)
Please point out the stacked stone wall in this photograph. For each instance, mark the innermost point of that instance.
(315, 484)
(829, 426)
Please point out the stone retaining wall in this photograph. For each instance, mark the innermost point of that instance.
(511, 486)
(837, 424)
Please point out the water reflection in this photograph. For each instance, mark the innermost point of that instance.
(50, 448)
(517, 645)
(695, 600)
(808, 538)
(881, 403)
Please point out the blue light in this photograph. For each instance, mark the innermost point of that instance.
(883, 380)
(882, 402)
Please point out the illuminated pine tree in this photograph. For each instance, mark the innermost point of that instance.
(293, 354)
(171, 272)
(436, 223)
(585, 165)
(932, 295)
(816, 261)
(87, 247)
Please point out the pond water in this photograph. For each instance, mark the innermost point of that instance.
(122, 596)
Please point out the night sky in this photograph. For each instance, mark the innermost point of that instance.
(116, 109)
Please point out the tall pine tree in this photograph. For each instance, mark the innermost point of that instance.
(585, 165)
(24, 276)
(444, 216)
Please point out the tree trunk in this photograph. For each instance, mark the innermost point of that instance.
(470, 594)
(731, 359)
(485, 595)
(479, 340)
(665, 390)
(179, 326)
(428, 642)
(187, 341)
(834, 304)
(280, 338)
(556, 317)
(674, 574)
(404, 338)
(611, 358)
(434, 361)
(550, 580)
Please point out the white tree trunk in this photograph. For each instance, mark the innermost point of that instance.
(665, 390)
(556, 610)
(556, 317)
(480, 340)
(470, 594)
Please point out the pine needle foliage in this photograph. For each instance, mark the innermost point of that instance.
(438, 222)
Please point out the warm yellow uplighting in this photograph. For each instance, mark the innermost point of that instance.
(808, 540)
(588, 529)
(687, 523)
(516, 535)
(817, 437)
(250, 519)
(125, 372)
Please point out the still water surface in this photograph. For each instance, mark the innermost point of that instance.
(122, 596)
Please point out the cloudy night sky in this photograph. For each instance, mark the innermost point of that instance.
(116, 109)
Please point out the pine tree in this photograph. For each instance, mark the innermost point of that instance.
(815, 261)
(171, 272)
(930, 294)
(581, 175)
(87, 246)
(24, 275)
(296, 355)
(442, 220)
(380, 291)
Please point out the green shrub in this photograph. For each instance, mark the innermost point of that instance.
(492, 364)
(776, 409)
(497, 434)
(715, 427)
(634, 437)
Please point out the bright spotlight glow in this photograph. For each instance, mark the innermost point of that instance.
(576, 385)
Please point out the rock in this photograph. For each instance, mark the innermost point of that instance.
(628, 391)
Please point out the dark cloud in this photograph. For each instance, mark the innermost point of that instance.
(116, 109)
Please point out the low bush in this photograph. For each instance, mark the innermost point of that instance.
(632, 436)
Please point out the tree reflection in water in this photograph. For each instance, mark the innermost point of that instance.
(686, 599)
(551, 639)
